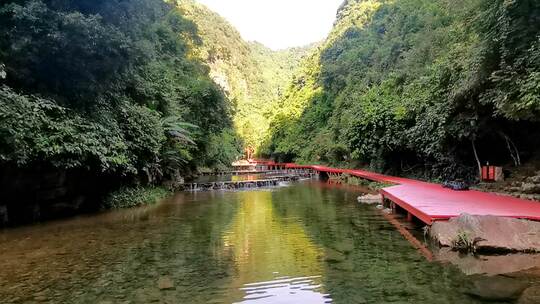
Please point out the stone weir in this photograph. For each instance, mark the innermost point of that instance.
(249, 172)
(235, 185)
(242, 172)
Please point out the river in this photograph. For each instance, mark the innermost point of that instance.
(306, 243)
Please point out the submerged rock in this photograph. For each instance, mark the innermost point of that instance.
(489, 233)
(165, 283)
(531, 295)
(370, 199)
(387, 211)
(496, 288)
(488, 264)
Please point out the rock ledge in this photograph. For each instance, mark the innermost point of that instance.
(488, 233)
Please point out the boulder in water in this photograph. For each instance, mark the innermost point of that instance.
(531, 295)
(370, 199)
(496, 288)
(489, 233)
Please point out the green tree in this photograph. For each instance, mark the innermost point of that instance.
(107, 87)
(402, 85)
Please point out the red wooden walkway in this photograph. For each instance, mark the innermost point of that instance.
(430, 202)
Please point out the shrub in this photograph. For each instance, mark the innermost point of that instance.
(133, 197)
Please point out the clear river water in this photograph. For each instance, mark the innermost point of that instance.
(306, 243)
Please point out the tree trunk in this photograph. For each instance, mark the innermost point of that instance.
(477, 160)
(514, 153)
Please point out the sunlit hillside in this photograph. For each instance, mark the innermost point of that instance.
(252, 75)
(430, 87)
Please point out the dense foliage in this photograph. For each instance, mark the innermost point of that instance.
(108, 86)
(417, 85)
(253, 76)
(142, 91)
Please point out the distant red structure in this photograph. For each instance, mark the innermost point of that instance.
(492, 173)
(249, 152)
(430, 202)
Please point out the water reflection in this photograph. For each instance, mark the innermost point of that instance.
(267, 246)
(286, 290)
(307, 243)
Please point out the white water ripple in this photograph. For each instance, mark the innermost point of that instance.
(286, 290)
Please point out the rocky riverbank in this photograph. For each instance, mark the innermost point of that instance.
(522, 183)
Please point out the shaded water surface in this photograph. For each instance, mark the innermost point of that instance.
(235, 178)
(307, 243)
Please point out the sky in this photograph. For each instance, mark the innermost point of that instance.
(279, 24)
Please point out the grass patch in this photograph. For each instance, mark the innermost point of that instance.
(464, 242)
(133, 197)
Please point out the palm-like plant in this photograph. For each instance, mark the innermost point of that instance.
(178, 130)
(176, 153)
(174, 158)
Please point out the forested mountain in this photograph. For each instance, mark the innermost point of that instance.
(418, 86)
(99, 94)
(252, 75)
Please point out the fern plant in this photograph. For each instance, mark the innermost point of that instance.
(178, 130)
(176, 153)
